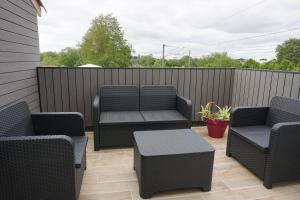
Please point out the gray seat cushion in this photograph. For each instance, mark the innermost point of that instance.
(124, 117)
(257, 135)
(79, 143)
(163, 116)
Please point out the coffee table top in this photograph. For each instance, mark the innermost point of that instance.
(170, 142)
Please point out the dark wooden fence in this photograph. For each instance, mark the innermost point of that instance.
(73, 89)
(257, 87)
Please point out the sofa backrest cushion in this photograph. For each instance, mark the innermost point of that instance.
(158, 97)
(283, 109)
(119, 98)
(15, 120)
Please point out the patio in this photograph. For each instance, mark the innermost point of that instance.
(110, 175)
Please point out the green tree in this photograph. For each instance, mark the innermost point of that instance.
(50, 58)
(217, 60)
(271, 64)
(104, 44)
(286, 64)
(147, 61)
(157, 63)
(289, 50)
(175, 62)
(69, 57)
(251, 63)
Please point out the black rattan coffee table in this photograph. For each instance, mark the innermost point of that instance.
(172, 159)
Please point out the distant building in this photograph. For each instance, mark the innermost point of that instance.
(263, 60)
(242, 60)
(89, 65)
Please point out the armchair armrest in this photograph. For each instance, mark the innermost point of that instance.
(248, 116)
(283, 158)
(31, 162)
(184, 106)
(58, 123)
(96, 110)
(286, 128)
(96, 119)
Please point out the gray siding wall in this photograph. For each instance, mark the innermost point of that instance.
(19, 53)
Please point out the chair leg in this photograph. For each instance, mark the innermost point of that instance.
(268, 184)
(228, 154)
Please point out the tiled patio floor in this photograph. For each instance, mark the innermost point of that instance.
(110, 176)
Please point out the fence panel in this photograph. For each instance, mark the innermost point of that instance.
(73, 89)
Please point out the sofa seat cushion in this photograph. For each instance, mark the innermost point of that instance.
(256, 135)
(163, 116)
(79, 143)
(124, 117)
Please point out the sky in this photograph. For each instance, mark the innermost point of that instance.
(242, 28)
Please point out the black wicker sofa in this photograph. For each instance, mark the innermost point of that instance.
(118, 111)
(42, 155)
(267, 140)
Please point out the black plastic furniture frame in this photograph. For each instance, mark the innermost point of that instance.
(118, 111)
(267, 140)
(172, 159)
(42, 155)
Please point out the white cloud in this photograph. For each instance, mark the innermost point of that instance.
(201, 26)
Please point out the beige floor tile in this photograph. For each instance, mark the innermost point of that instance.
(110, 176)
(107, 196)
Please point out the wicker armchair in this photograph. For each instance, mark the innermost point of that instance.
(42, 155)
(266, 140)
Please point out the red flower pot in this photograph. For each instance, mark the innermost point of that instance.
(216, 128)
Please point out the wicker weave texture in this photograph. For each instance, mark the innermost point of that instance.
(283, 109)
(34, 168)
(15, 120)
(158, 97)
(119, 98)
(274, 158)
(46, 165)
(248, 155)
(158, 107)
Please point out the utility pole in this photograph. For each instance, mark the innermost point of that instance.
(163, 56)
(189, 58)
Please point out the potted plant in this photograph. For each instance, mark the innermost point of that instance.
(216, 122)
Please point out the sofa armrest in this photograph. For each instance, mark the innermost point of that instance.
(31, 162)
(58, 123)
(283, 158)
(96, 119)
(248, 116)
(184, 106)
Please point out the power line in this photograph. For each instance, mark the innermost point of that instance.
(175, 46)
(235, 14)
(175, 51)
(258, 36)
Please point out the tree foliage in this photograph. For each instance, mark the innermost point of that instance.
(70, 57)
(251, 63)
(289, 51)
(104, 44)
(147, 60)
(217, 60)
(50, 58)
